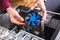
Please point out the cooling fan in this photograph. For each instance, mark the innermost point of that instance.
(32, 19)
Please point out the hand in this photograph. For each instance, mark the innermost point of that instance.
(15, 17)
(41, 5)
(45, 0)
(44, 17)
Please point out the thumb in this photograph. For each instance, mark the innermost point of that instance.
(20, 18)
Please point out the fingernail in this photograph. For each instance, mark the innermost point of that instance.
(22, 19)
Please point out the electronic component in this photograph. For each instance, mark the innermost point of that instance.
(32, 19)
(23, 35)
(6, 34)
(3, 32)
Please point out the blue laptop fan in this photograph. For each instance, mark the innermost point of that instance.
(32, 19)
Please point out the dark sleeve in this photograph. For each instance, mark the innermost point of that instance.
(4, 4)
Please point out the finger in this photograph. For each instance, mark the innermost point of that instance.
(45, 0)
(41, 5)
(17, 22)
(42, 21)
(20, 18)
(43, 18)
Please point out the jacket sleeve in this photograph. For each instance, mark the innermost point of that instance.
(4, 4)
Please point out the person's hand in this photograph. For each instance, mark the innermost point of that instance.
(15, 17)
(41, 5)
(45, 0)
